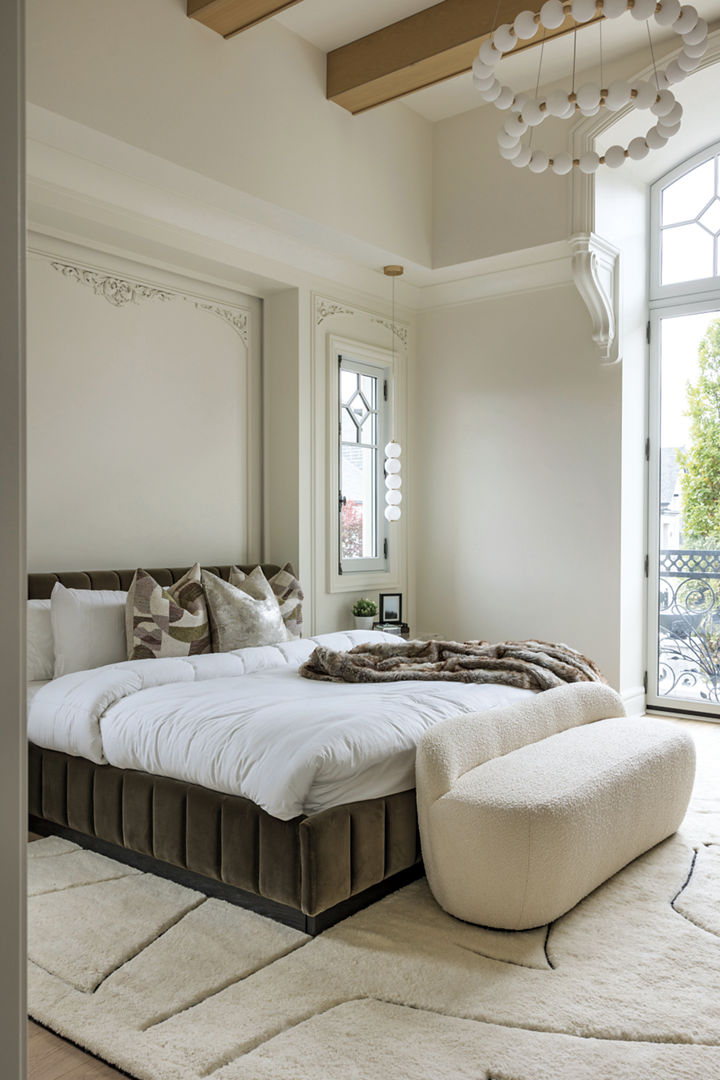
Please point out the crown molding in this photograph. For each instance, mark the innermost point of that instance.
(87, 188)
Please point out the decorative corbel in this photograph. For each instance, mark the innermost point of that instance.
(595, 271)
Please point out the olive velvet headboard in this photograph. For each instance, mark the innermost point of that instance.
(40, 585)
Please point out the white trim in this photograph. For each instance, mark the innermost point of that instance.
(378, 364)
(540, 267)
(657, 313)
(699, 286)
(356, 581)
(634, 700)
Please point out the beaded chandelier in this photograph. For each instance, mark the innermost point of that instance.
(525, 113)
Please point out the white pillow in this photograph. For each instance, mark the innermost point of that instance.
(88, 628)
(40, 647)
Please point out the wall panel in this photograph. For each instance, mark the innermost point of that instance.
(144, 415)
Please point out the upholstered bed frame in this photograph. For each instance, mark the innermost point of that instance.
(309, 872)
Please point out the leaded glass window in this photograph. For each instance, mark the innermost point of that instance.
(362, 429)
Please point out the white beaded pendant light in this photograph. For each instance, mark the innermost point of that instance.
(525, 113)
(393, 482)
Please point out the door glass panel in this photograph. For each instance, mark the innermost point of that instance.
(688, 646)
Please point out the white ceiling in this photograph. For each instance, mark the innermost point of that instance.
(327, 24)
(332, 23)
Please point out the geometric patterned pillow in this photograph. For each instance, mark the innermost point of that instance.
(170, 621)
(286, 587)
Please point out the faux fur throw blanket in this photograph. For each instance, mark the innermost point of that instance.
(530, 665)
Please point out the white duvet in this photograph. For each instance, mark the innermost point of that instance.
(246, 723)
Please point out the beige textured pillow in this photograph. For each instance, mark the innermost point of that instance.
(286, 587)
(163, 622)
(243, 615)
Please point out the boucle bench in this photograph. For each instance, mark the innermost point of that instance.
(525, 810)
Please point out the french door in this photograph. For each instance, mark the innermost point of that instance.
(684, 510)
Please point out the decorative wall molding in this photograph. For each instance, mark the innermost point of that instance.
(595, 272)
(119, 291)
(400, 332)
(116, 290)
(238, 320)
(325, 308)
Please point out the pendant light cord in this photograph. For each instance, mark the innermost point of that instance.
(652, 56)
(394, 364)
(537, 82)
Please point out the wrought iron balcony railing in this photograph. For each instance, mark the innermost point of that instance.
(689, 625)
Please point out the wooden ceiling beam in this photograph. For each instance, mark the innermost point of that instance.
(230, 17)
(426, 48)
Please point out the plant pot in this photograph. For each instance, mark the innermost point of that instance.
(364, 622)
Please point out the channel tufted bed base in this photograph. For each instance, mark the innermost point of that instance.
(308, 873)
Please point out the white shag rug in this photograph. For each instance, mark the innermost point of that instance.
(169, 985)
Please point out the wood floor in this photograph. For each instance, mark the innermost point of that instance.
(52, 1058)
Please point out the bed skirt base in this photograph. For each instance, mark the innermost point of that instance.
(309, 872)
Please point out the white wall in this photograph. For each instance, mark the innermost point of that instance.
(484, 206)
(13, 743)
(517, 508)
(250, 112)
(143, 417)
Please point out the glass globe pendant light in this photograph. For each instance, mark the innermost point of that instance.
(393, 482)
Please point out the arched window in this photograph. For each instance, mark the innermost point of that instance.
(684, 443)
(686, 227)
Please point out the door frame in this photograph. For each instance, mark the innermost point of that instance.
(659, 310)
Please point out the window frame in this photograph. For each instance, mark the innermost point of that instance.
(383, 571)
(697, 288)
(667, 301)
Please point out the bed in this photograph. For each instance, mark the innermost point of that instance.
(308, 860)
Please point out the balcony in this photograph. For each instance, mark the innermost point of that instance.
(689, 625)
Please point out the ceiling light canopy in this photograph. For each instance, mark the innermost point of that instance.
(525, 113)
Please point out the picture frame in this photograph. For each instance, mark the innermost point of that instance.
(390, 607)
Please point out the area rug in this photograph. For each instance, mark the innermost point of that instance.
(169, 985)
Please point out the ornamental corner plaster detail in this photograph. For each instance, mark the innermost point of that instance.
(325, 308)
(595, 269)
(116, 290)
(238, 320)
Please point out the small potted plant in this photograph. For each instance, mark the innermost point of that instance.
(364, 611)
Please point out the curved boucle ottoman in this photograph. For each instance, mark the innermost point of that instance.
(525, 810)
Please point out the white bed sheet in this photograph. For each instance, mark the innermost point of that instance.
(246, 723)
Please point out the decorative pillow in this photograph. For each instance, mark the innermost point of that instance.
(243, 615)
(88, 627)
(286, 587)
(40, 650)
(166, 622)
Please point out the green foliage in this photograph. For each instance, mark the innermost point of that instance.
(700, 479)
(364, 608)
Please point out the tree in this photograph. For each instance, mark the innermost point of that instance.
(700, 479)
